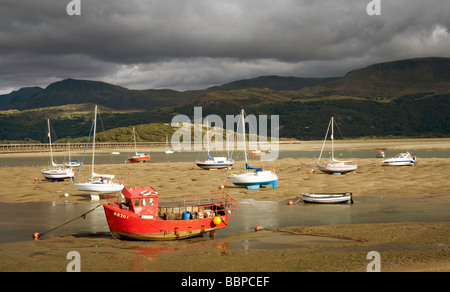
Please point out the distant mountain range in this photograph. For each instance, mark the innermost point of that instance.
(400, 98)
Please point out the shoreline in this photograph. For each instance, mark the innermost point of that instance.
(403, 144)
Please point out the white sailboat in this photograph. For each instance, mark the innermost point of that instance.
(253, 178)
(57, 171)
(334, 166)
(214, 162)
(72, 162)
(98, 183)
(168, 151)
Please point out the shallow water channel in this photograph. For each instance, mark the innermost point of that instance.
(19, 221)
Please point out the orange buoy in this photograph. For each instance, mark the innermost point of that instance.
(310, 172)
(222, 187)
(36, 235)
(259, 228)
(290, 203)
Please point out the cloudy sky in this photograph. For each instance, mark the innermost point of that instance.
(191, 44)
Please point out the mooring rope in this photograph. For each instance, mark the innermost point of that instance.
(40, 235)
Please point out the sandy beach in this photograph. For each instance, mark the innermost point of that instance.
(415, 246)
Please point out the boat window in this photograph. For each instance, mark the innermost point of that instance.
(144, 202)
(150, 201)
(136, 202)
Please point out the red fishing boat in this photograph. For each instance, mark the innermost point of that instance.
(140, 217)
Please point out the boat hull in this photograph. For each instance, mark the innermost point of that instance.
(254, 179)
(139, 158)
(98, 188)
(124, 224)
(398, 162)
(328, 198)
(336, 168)
(209, 166)
(57, 174)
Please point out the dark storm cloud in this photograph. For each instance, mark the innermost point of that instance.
(186, 44)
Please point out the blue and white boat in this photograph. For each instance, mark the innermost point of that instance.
(214, 162)
(400, 160)
(252, 178)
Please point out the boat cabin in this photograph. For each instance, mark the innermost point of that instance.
(142, 200)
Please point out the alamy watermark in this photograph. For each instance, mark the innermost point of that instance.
(74, 8)
(213, 126)
(374, 7)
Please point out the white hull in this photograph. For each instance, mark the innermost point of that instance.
(255, 179)
(215, 163)
(327, 198)
(57, 173)
(98, 187)
(402, 159)
(338, 168)
(335, 166)
(398, 163)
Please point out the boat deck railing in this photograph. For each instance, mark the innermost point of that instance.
(217, 202)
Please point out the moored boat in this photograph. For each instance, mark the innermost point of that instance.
(253, 177)
(57, 171)
(138, 157)
(98, 183)
(400, 160)
(334, 166)
(215, 163)
(327, 198)
(141, 218)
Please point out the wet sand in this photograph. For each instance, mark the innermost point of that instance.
(403, 246)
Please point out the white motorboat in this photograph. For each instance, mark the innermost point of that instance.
(327, 198)
(253, 178)
(57, 171)
(334, 166)
(400, 160)
(98, 183)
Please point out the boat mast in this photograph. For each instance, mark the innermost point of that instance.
(50, 141)
(243, 131)
(207, 137)
(134, 137)
(332, 138)
(93, 143)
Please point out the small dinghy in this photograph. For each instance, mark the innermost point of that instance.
(327, 198)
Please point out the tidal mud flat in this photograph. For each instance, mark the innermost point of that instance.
(403, 246)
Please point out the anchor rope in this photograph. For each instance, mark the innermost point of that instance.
(82, 215)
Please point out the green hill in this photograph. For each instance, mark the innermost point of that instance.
(399, 98)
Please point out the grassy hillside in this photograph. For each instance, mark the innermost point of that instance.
(400, 98)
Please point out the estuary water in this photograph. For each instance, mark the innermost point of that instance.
(19, 221)
(108, 158)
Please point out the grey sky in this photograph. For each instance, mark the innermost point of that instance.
(189, 44)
